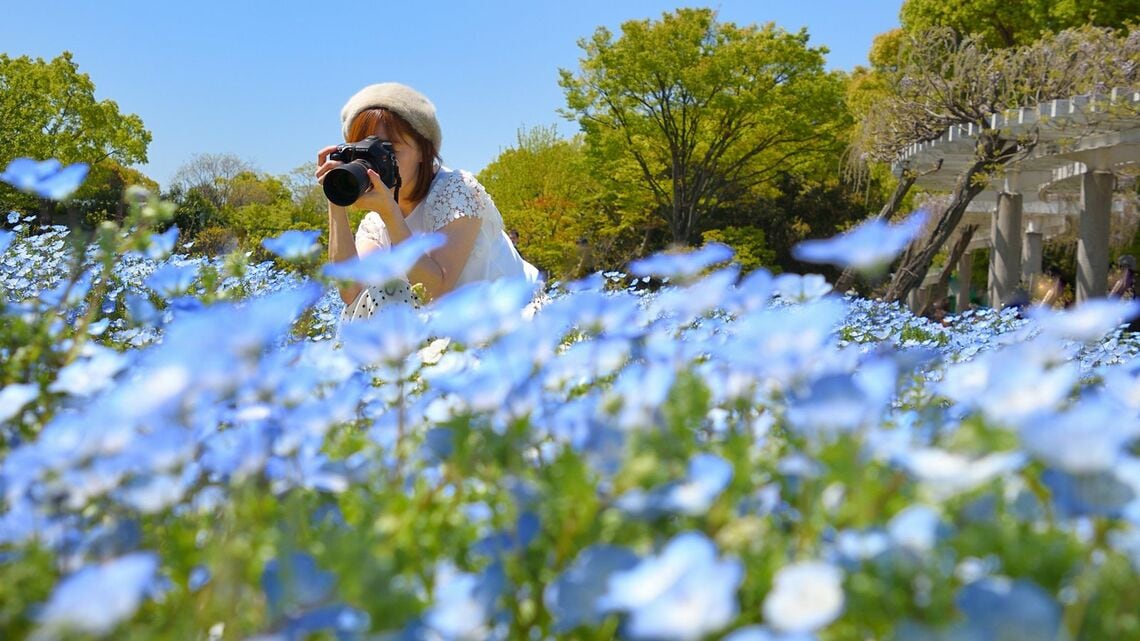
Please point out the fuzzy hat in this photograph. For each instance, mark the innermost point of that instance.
(408, 103)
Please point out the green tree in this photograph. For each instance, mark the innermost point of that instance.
(704, 108)
(540, 186)
(49, 110)
(1000, 23)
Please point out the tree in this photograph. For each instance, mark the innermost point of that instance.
(537, 186)
(944, 81)
(213, 176)
(1000, 23)
(48, 110)
(704, 108)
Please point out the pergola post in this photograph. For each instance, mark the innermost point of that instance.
(1005, 266)
(1092, 247)
(1031, 252)
(965, 266)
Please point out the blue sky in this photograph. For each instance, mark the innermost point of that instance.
(266, 80)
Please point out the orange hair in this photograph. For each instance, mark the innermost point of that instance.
(365, 125)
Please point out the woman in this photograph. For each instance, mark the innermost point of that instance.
(432, 198)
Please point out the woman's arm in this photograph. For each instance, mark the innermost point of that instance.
(439, 270)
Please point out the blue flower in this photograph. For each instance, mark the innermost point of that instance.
(999, 608)
(382, 266)
(869, 247)
(806, 597)
(685, 593)
(797, 288)
(572, 599)
(681, 265)
(6, 238)
(86, 376)
(294, 244)
(1087, 438)
(916, 528)
(171, 280)
(14, 397)
(389, 337)
(161, 245)
(1100, 493)
(46, 179)
(295, 582)
(1088, 321)
(97, 597)
(464, 603)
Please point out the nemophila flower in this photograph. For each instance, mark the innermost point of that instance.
(1086, 438)
(1001, 608)
(171, 280)
(463, 603)
(836, 403)
(686, 303)
(761, 633)
(1101, 493)
(392, 334)
(801, 289)
(161, 245)
(156, 492)
(572, 598)
(858, 546)
(13, 217)
(295, 582)
(1088, 321)
(479, 311)
(945, 474)
(806, 597)
(91, 374)
(684, 593)
(916, 528)
(15, 397)
(46, 179)
(1013, 385)
(344, 621)
(98, 597)
(708, 476)
(385, 265)
(681, 265)
(6, 238)
(294, 244)
(869, 247)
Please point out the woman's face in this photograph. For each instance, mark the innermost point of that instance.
(408, 156)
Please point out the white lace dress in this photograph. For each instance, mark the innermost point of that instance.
(453, 195)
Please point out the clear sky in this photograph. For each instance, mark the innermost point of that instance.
(265, 80)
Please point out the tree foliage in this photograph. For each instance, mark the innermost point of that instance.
(703, 107)
(48, 110)
(1000, 23)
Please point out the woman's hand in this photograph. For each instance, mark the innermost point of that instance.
(379, 198)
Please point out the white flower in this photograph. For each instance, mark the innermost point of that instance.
(805, 597)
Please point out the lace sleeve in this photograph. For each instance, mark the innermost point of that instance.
(372, 230)
(459, 196)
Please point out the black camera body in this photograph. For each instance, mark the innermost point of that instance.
(347, 183)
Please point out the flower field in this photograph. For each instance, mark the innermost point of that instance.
(193, 449)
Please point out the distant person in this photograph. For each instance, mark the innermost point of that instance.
(1052, 288)
(514, 236)
(428, 198)
(1125, 286)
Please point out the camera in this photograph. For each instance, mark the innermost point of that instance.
(347, 183)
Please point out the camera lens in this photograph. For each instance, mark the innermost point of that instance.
(347, 183)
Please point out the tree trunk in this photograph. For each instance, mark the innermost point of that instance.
(906, 181)
(943, 283)
(916, 260)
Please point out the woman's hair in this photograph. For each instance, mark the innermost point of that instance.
(365, 125)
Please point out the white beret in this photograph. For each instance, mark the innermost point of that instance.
(406, 102)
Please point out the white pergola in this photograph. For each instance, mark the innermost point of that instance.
(1084, 144)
